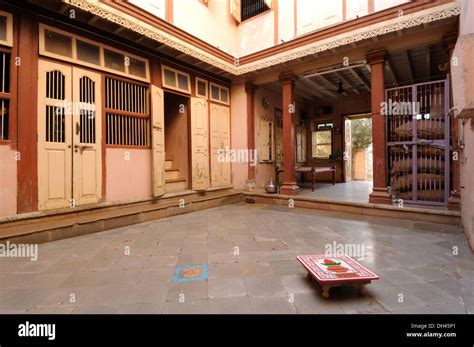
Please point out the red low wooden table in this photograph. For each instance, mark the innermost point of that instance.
(335, 271)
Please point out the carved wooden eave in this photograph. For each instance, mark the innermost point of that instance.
(396, 24)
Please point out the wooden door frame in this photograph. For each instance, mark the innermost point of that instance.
(350, 116)
(189, 133)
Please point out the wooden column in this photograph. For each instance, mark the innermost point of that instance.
(454, 202)
(250, 90)
(27, 113)
(379, 194)
(289, 186)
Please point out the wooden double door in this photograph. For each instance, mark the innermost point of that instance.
(69, 136)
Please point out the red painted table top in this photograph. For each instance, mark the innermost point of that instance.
(335, 269)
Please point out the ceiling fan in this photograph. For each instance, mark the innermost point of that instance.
(340, 90)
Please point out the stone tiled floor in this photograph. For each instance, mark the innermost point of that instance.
(92, 274)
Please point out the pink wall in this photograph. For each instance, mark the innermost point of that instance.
(8, 181)
(238, 130)
(212, 23)
(128, 179)
(257, 33)
(463, 96)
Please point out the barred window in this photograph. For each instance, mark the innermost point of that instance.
(251, 8)
(4, 95)
(127, 119)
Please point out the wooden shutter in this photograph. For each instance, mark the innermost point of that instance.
(235, 10)
(330, 13)
(347, 150)
(216, 145)
(158, 140)
(300, 144)
(224, 126)
(54, 135)
(264, 140)
(199, 143)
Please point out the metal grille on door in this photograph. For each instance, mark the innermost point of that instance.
(55, 117)
(87, 112)
(418, 140)
(127, 114)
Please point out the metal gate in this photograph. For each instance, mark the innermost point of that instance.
(418, 142)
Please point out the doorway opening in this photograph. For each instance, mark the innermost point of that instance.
(177, 164)
(358, 165)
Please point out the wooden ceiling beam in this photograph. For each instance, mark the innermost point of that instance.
(312, 88)
(361, 79)
(406, 60)
(391, 71)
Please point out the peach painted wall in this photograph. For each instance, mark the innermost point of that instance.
(8, 181)
(238, 130)
(286, 20)
(463, 93)
(257, 33)
(212, 23)
(128, 179)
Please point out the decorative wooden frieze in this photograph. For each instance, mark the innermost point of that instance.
(385, 27)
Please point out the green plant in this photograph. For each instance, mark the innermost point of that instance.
(361, 133)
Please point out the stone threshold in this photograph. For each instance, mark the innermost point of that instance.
(45, 226)
(360, 208)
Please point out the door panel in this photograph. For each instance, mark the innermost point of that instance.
(87, 130)
(199, 143)
(216, 146)
(225, 137)
(54, 136)
(348, 150)
(220, 140)
(69, 136)
(158, 140)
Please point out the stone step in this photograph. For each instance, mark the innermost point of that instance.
(175, 185)
(44, 226)
(171, 174)
(168, 164)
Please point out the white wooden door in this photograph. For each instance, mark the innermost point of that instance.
(306, 16)
(216, 145)
(347, 150)
(224, 125)
(158, 140)
(199, 144)
(329, 12)
(54, 135)
(69, 136)
(86, 136)
(220, 141)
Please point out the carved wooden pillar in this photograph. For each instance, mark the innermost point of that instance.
(379, 194)
(289, 186)
(250, 90)
(454, 202)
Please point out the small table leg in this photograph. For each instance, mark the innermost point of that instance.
(334, 175)
(362, 289)
(325, 292)
(313, 181)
